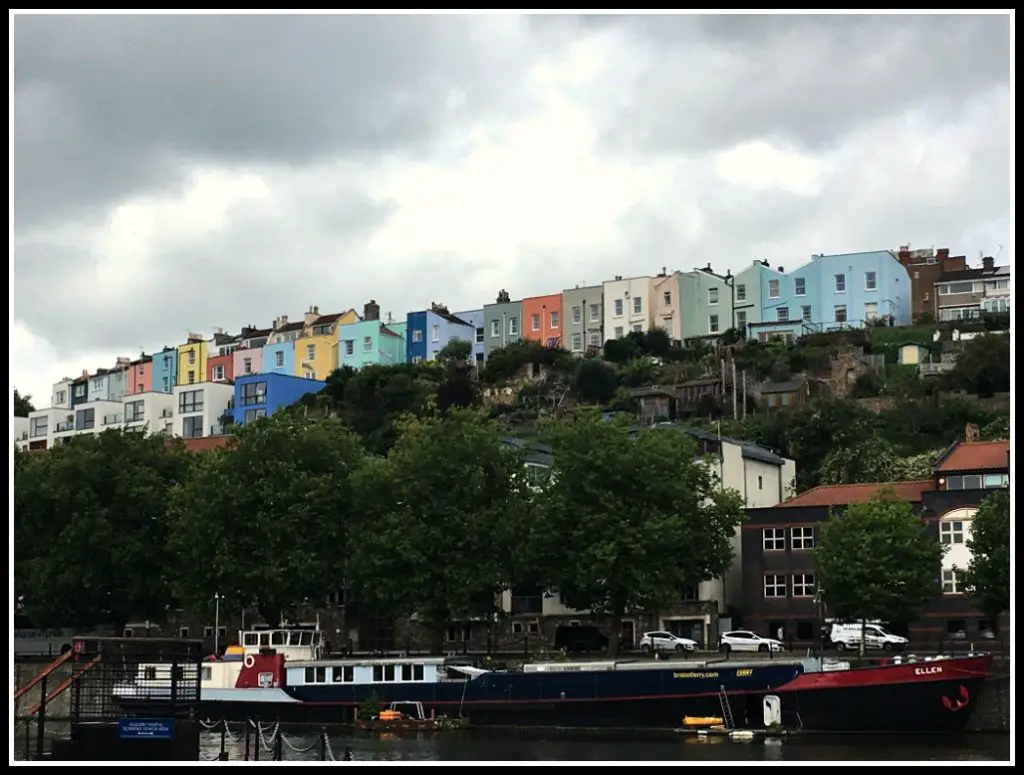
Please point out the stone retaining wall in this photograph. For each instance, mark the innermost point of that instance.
(993, 711)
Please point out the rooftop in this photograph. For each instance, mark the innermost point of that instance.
(845, 494)
(975, 456)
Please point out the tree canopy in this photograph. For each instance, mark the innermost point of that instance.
(22, 404)
(987, 578)
(875, 561)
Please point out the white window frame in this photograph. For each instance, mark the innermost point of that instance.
(638, 305)
(577, 314)
(774, 586)
(951, 582)
(840, 283)
(712, 324)
(350, 347)
(435, 333)
(782, 314)
(367, 344)
(619, 332)
(773, 539)
(247, 365)
(479, 334)
(952, 532)
(218, 373)
(279, 359)
(577, 343)
(804, 585)
(667, 298)
(712, 296)
(513, 326)
(617, 307)
(871, 281)
(741, 318)
(741, 292)
(310, 352)
(773, 289)
(594, 339)
(801, 538)
(638, 328)
(495, 329)
(595, 313)
(417, 336)
(535, 321)
(553, 319)
(870, 311)
(800, 286)
(840, 309)
(805, 313)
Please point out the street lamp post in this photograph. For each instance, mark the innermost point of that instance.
(216, 623)
(819, 600)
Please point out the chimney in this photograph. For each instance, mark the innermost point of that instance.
(664, 271)
(764, 262)
(503, 297)
(280, 322)
(942, 254)
(781, 269)
(371, 310)
(728, 274)
(972, 434)
(988, 263)
(618, 277)
(311, 316)
(246, 331)
(85, 374)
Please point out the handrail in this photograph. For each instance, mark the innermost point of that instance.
(43, 673)
(64, 685)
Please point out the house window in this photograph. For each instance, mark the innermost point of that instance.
(950, 288)
(350, 347)
(840, 313)
(577, 342)
(553, 319)
(774, 586)
(279, 359)
(950, 582)
(667, 297)
(801, 538)
(311, 375)
(535, 322)
(774, 539)
(480, 335)
(760, 482)
(870, 312)
(367, 344)
(782, 314)
(618, 308)
(435, 333)
(618, 332)
(191, 377)
(61, 396)
(577, 315)
(741, 293)
(192, 427)
(218, 373)
(870, 281)
(803, 585)
(495, 329)
(417, 336)
(252, 415)
(310, 352)
(805, 313)
(594, 340)
(40, 426)
(85, 420)
(134, 411)
(741, 319)
(773, 289)
(713, 324)
(691, 593)
(840, 283)
(167, 384)
(190, 401)
(951, 532)
(712, 296)
(800, 286)
(513, 326)
(595, 313)
(254, 393)
(247, 365)
(638, 305)
(638, 328)
(97, 385)
(79, 391)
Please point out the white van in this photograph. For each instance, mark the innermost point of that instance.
(847, 636)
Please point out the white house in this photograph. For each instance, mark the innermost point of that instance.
(198, 409)
(152, 412)
(628, 306)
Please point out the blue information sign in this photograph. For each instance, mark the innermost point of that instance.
(145, 728)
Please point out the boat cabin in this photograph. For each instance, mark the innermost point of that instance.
(367, 671)
(291, 642)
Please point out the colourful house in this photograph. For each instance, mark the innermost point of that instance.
(140, 375)
(260, 395)
(248, 358)
(475, 317)
(165, 370)
(429, 331)
(370, 342)
(192, 360)
(316, 347)
(706, 303)
(542, 319)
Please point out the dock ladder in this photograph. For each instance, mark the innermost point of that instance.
(723, 700)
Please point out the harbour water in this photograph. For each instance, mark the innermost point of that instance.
(495, 745)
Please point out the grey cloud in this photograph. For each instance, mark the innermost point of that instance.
(101, 101)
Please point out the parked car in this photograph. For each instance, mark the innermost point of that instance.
(847, 636)
(745, 640)
(581, 638)
(660, 640)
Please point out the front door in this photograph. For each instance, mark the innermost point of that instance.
(627, 635)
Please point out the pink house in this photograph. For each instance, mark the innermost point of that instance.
(140, 375)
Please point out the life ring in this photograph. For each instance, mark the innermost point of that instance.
(250, 661)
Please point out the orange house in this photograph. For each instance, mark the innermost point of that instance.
(542, 319)
(140, 375)
(220, 368)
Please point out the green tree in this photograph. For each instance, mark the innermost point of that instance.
(376, 397)
(269, 519)
(875, 461)
(987, 578)
(875, 561)
(630, 520)
(91, 529)
(22, 404)
(446, 507)
(595, 381)
(983, 368)
(456, 349)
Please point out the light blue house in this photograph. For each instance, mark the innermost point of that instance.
(475, 318)
(747, 293)
(278, 358)
(829, 293)
(165, 370)
(428, 331)
(117, 381)
(369, 342)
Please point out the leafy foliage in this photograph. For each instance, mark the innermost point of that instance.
(875, 461)
(983, 368)
(457, 350)
(596, 381)
(875, 561)
(269, 521)
(629, 521)
(22, 404)
(987, 579)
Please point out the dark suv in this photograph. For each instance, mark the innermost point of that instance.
(578, 639)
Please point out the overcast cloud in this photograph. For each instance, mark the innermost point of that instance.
(173, 174)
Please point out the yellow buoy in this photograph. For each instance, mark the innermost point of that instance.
(701, 721)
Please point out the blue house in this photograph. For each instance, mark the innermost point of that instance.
(830, 293)
(165, 370)
(428, 331)
(260, 395)
(475, 317)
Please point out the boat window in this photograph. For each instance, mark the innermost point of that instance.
(279, 638)
(309, 675)
(336, 675)
(389, 672)
(264, 638)
(321, 675)
(249, 639)
(207, 674)
(306, 638)
(417, 672)
(350, 674)
(294, 638)
(378, 673)
(149, 674)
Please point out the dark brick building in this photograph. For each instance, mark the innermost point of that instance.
(779, 576)
(927, 267)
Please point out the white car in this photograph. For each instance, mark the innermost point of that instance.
(660, 640)
(745, 640)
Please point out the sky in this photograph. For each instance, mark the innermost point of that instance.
(181, 173)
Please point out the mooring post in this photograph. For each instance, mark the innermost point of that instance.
(28, 739)
(323, 744)
(248, 735)
(278, 746)
(258, 742)
(41, 718)
(223, 737)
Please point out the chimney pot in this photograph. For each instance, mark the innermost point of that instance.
(782, 270)
(972, 433)
(988, 262)
(943, 253)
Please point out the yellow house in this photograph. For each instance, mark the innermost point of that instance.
(316, 349)
(192, 360)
